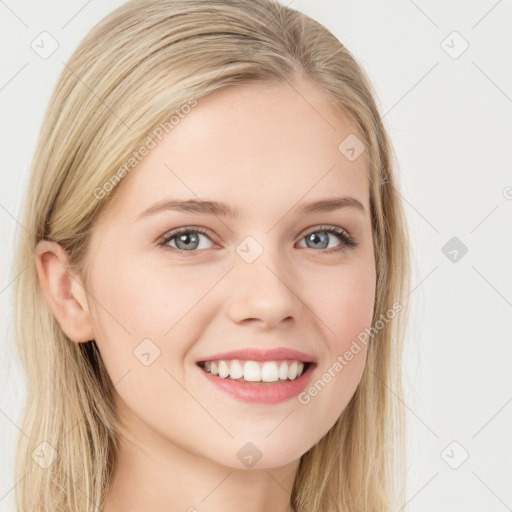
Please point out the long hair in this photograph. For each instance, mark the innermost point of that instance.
(139, 68)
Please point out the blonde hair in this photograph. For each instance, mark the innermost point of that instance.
(140, 64)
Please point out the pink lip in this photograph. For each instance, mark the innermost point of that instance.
(258, 392)
(253, 354)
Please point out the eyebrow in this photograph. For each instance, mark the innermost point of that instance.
(222, 209)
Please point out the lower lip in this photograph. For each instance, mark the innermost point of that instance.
(261, 392)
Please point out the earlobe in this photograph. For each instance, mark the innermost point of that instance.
(63, 291)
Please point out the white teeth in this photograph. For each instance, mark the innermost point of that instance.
(236, 371)
(252, 371)
(255, 371)
(269, 372)
(292, 370)
(223, 369)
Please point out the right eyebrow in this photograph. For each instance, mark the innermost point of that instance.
(192, 206)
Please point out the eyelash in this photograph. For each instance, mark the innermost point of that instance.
(347, 241)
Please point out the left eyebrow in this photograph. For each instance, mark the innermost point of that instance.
(328, 205)
(222, 209)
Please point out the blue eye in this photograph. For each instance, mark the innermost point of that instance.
(312, 237)
(188, 239)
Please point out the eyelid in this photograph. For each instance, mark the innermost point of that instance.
(162, 240)
(347, 240)
(327, 227)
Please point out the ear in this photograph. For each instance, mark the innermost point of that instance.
(63, 291)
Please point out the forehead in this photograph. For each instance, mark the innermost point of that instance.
(266, 143)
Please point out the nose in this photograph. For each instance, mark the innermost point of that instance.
(262, 293)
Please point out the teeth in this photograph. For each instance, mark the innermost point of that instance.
(236, 370)
(283, 371)
(269, 372)
(255, 371)
(252, 371)
(223, 369)
(292, 370)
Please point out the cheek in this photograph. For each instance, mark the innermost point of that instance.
(145, 299)
(145, 320)
(136, 301)
(344, 309)
(344, 303)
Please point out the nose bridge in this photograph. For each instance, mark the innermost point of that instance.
(263, 289)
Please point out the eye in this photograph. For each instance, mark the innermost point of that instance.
(318, 238)
(186, 239)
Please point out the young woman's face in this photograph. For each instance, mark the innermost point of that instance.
(270, 278)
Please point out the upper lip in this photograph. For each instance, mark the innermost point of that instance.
(258, 354)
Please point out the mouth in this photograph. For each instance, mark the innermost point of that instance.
(258, 382)
(259, 375)
(253, 372)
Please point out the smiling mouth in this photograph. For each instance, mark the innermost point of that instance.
(257, 372)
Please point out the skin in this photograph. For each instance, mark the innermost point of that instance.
(262, 148)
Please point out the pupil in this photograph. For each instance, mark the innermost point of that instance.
(316, 239)
(185, 238)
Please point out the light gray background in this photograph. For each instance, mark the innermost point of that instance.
(450, 120)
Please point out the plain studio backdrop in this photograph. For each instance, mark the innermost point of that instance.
(444, 87)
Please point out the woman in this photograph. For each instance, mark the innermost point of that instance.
(212, 304)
